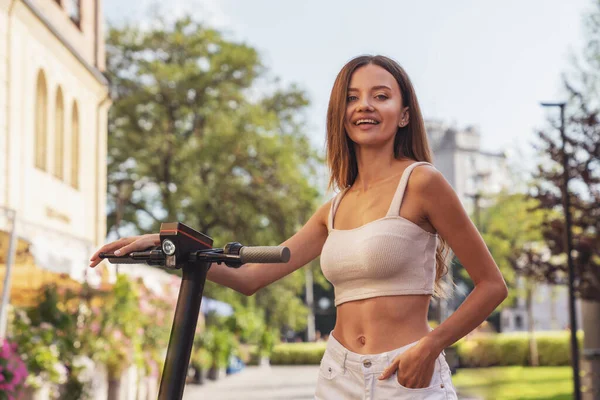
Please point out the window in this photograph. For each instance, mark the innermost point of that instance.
(75, 147)
(73, 8)
(59, 136)
(41, 120)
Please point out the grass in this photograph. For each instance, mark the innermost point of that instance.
(511, 383)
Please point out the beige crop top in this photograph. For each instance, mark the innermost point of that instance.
(386, 257)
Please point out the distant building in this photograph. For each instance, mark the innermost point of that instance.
(549, 309)
(53, 122)
(469, 169)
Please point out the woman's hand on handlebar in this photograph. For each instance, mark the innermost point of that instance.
(125, 246)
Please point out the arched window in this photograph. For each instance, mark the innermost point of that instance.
(59, 136)
(41, 122)
(75, 146)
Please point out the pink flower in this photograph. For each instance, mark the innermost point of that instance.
(117, 334)
(95, 327)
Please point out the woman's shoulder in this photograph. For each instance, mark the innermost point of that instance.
(428, 181)
(322, 212)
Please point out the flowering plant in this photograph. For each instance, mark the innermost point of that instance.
(116, 326)
(12, 371)
(38, 349)
(51, 342)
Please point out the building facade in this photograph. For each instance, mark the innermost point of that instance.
(53, 122)
(549, 310)
(472, 172)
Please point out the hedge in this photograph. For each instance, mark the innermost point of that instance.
(484, 350)
(513, 349)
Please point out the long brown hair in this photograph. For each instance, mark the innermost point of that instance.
(410, 141)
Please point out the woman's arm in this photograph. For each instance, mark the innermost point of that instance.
(304, 246)
(446, 213)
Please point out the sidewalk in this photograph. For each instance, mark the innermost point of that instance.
(264, 383)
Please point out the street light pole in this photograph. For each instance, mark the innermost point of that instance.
(569, 246)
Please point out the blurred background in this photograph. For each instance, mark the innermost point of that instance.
(116, 116)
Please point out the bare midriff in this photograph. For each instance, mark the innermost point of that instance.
(379, 324)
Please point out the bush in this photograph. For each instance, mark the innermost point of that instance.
(291, 354)
(484, 350)
(513, 349)
(12, 370)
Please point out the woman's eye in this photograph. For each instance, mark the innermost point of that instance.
(351, 98)
(381, 97)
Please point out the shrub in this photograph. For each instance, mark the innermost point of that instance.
(12, 371)
(513, 349)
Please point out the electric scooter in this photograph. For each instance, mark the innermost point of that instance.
(184, 248)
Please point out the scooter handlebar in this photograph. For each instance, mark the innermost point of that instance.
(264, 254)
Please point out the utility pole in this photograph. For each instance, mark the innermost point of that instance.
(310, 304)
(568, 238)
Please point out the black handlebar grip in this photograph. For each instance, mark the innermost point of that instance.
(119, 260)
(264, 254)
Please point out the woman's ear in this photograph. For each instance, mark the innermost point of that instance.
(404, 119)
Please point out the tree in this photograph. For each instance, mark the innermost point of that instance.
(511, 227)
(199, 133)
(582, 147)
(583, 151)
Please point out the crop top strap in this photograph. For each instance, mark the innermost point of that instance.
(399, 195)
(334, 206)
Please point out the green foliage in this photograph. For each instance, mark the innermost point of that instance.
(478, 351)
(52, 341)
(267, 342)
(581, 147)
(117, 336)
(220, 344)
(513, 349)
(297, 353)
(199, 133)
(200, 143)
(510, 227)
(13, 371)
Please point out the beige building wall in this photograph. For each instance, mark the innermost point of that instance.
(64, 223)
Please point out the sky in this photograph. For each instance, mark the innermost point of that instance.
(482, 63)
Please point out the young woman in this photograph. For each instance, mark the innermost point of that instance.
(381, 241)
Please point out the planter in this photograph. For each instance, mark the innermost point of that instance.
(114, 388)
(264, 361)
(216, 373)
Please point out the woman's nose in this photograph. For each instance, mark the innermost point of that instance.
(364, 105)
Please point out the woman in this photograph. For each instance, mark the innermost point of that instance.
(381, 241)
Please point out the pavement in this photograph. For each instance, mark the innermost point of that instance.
(264, 383)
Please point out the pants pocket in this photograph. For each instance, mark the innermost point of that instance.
(329, 368)
(436, 388)
(331, 382)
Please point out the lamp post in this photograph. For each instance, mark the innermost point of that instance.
(569, 246)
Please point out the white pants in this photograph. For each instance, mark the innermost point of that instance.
(344, 375)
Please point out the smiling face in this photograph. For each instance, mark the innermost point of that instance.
(374, 107)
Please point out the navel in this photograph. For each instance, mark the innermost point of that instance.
(362, 340)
